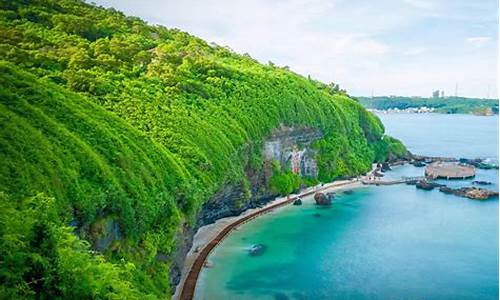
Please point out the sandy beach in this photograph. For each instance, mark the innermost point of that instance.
(207, 233)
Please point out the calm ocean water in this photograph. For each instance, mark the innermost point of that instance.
(393, 242)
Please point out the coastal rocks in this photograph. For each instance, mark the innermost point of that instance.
(323, 199)
(418, 164)
(348, 192)
(257, 250)
(479, 163)
(426, 185)
(183, 241)
(467, 192)
(385, 167)
(431, 159)
(470, 192)
(479, 182)
(297, 202)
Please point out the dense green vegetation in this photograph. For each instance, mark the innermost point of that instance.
(449, 105)
(104, 117)
(283, 182)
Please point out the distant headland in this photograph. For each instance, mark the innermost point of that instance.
(447, 105)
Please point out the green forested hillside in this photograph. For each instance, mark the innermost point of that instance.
(104, 117)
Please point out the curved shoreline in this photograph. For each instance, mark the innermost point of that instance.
(187, 286)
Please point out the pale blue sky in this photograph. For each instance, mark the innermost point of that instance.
(393, 47)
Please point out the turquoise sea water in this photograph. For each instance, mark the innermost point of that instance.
(393, 242)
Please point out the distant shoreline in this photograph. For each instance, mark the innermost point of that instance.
(445, 105)
(425, 111)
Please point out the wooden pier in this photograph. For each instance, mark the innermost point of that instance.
(377, 181)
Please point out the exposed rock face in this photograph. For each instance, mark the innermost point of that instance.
(184, 241)
(470, 192)
(283, 146)
(222, 205)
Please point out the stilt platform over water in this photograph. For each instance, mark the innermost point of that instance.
(449, 170)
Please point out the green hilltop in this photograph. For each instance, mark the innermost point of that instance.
(104, 117)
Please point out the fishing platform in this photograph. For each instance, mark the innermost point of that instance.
(449, 170)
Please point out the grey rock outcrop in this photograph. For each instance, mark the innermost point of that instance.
(470, 192)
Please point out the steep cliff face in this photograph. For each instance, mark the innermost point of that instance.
(291, 147)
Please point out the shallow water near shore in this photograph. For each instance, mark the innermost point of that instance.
(391, 242)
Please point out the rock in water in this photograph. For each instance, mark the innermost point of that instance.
(297, 202)
(479, 182)
(470, 192)
(446, 190)
(426, 185)
(418, 164)
(257, 250)
(480, 194)
(348, 192)
(386, 167)
(322, 199)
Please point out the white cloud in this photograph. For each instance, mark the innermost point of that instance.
(422, 4)
(478, 41)
(415, 51)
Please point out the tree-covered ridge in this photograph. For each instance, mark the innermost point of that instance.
(112, 118)
(449, 105)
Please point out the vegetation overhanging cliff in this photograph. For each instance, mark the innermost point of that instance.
(108, 122)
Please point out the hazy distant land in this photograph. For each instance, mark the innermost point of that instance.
(449, 105)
